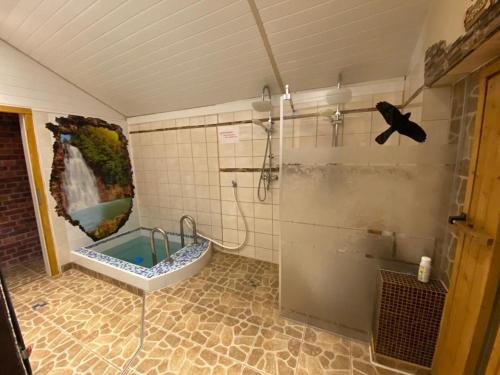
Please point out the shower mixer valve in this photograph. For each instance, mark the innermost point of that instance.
(270, 177)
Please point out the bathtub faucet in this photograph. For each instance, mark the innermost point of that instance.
(153, 245)
(193, 225)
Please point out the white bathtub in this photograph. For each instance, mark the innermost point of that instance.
(186, 262)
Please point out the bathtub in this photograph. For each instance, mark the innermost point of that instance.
(123, 257)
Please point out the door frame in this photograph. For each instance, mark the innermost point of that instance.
(42, 213)
(486, 310)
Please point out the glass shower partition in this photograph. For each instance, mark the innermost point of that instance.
(349, 209)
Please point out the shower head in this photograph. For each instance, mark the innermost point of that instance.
(263, 105)
(340, 95)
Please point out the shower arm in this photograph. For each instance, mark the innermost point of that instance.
(264, 89)
(286, 94)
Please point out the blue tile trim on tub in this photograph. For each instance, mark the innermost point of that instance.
(180, 259)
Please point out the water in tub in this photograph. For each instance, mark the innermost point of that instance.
(138, 251)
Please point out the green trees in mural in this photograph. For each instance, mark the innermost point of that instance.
(103, 151)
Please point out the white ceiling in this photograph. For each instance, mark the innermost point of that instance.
(149, 56)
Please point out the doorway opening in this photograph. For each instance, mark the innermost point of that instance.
(21, 249)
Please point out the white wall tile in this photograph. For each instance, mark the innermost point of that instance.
(177, 171)
(185, 150)
(212, 149)
(226, 117)
(226, 150)
(230, 235)
(264, 240)
(197, 121)
(182, 122)
(229, 222)
(246, 131)
(264, 226)
(263, 211)
(199, 150)
(264, 254)
(243, 115)
(247, 251)
(183, 135)
(210, 119)
(244, 148)
(227, 162)
(244, 162)
(244, 179)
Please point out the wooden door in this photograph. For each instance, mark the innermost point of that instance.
(493, 366)
(476, 270)
(13, 355)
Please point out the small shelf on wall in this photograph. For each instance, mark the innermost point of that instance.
(447, 64)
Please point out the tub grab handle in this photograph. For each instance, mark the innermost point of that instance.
(193, 225)
(153, 245)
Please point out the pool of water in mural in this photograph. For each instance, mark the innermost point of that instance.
(91, 217)
(138, 251)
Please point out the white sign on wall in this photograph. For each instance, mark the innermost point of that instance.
(229, 134)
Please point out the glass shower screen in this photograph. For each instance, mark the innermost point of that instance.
(349, 207)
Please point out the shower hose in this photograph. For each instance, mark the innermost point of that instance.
(225, 247)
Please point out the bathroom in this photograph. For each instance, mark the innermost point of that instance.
(213, 187)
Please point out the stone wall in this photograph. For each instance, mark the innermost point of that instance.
(463, 116)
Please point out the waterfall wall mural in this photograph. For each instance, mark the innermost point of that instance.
(91, 178)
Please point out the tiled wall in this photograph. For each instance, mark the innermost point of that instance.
(181, 167)
(184, 171)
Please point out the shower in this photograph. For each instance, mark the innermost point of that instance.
(339, 96)
(336, 119)
(266, 173)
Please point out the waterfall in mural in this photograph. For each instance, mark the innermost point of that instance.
(80, 184)
(91, 177)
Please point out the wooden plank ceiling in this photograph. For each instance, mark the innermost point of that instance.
(152, 56)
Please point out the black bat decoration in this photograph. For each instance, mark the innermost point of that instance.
(400, 123)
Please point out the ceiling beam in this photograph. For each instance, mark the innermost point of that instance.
(267, 45)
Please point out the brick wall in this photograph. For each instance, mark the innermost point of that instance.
(19, 239)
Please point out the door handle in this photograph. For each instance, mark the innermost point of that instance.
(459, 222)
(452, 219)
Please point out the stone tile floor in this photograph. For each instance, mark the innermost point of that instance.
(224, 320)
(25, 272)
